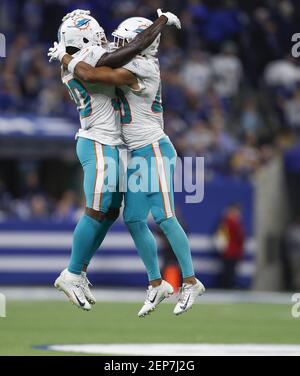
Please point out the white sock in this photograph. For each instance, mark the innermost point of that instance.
(71, 276)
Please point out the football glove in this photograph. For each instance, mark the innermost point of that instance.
(56, 52)
(172, 18)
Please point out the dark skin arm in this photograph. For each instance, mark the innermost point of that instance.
(125, 54)
(106, 75)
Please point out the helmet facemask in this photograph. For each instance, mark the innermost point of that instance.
(129, 29)
(120, 41)
(101, 39)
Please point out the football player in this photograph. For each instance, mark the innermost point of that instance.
(97, 139)
(140, 106)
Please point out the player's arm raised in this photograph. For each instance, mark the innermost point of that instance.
(125, 54)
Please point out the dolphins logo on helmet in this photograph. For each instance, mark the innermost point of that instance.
(81, 23)
(81, 32)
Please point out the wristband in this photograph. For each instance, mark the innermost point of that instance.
(61, 55)
(72, 64)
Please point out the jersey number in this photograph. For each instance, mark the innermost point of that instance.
(121, 104)
(80, 96)
(157, 107)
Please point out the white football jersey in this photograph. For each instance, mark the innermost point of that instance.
(141, 111)
(99, 121)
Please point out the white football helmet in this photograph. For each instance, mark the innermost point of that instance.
(82, 31)
(129, 29)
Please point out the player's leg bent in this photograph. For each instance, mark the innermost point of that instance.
(162, 208)
(94, 158)
(162, 203)
(92, 227)
(104, 202)
(106, 219)
(158, 289)
(106, 222)
(135, 216)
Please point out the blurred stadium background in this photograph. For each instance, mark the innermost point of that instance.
(231, 93)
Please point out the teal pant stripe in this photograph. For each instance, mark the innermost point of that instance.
(88, 151)
(139, 204)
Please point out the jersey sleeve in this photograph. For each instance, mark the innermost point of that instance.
(141, 70)
(138, 68)
(91, 55)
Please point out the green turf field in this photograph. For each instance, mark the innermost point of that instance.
(37, 323)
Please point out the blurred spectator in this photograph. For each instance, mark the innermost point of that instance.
(227, 70)
(38, 207)
(292, 111)
(66, 208)
(247, 158)
(284, 72)
(230, 239)
(32, 184)
(196, 73)
(199, 138)
(251, 121)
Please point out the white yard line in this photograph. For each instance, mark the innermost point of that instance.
(181, 349)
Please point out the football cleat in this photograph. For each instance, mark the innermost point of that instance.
(85, 285)
(188, 295)
(71, 285)
(155, 295)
